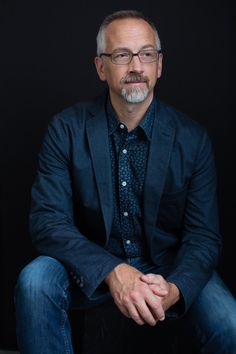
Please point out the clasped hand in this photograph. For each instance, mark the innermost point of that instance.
(144, 298)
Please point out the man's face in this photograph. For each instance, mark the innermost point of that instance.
(133, 82)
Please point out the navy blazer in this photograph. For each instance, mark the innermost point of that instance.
(71, 214)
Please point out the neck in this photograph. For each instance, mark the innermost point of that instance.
(130, 114)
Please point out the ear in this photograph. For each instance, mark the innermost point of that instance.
(159, 65)
(100, 68)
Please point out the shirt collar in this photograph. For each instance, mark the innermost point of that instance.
(145, 124)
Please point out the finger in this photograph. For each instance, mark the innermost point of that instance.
(157, 290)
(146, 313)
(155, 305)
(123, 309)
(158, 284)
(153, 279)
(135, 314)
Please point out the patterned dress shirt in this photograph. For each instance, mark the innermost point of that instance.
(129, 155)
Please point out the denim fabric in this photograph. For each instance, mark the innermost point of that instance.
(45, 292)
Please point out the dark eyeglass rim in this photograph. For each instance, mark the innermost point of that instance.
(133, 54)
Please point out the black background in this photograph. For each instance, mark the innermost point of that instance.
(47, 51)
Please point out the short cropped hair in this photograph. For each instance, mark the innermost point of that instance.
(119, 15)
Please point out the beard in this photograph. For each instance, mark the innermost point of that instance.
(134, 94)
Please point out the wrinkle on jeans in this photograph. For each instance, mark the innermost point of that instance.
(64, 303)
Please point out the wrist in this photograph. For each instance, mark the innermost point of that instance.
(175, 293)
(113, 273)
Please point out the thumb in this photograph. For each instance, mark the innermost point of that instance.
(150, 279)
(157, 290)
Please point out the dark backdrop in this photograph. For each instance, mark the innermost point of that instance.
(47, 52)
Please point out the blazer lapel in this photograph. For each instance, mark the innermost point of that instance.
(97, 134)
(159, 155)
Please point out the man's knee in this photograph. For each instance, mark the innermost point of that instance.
(43, 276)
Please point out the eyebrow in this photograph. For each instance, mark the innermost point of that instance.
(146, 46)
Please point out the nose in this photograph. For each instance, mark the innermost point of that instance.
(135, 64)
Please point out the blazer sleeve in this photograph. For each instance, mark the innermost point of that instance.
(201, 242)
(51, 221)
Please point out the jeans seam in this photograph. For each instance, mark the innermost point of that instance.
(64, 317)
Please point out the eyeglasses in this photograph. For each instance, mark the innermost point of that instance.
(126, 56)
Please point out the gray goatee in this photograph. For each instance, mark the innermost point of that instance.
(134, 94)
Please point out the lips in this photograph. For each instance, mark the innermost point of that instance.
(134, 82)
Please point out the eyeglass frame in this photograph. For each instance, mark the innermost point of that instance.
(158, 51)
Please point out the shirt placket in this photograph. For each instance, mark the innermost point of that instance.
(124, 193)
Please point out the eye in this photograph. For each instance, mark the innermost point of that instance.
(121, 55)
(147, 53)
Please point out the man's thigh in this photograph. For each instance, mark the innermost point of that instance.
(47, 277)
(210, 323)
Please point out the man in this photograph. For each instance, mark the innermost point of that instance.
(124, 205)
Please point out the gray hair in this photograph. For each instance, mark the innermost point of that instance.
(119, 15)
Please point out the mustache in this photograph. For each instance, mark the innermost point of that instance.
(134, 78)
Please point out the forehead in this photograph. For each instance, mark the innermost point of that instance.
(129, 33)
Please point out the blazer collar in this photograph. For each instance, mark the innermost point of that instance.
(97, 135)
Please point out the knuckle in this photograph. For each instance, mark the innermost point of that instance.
(134, 296)
(126, 300)
(144, 288)
(156, 304)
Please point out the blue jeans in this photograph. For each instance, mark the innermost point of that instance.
(45, 292)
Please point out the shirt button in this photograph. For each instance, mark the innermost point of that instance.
(125, 213)
(122, 126)
(124, 151)
(127, 242)
(123, 183)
